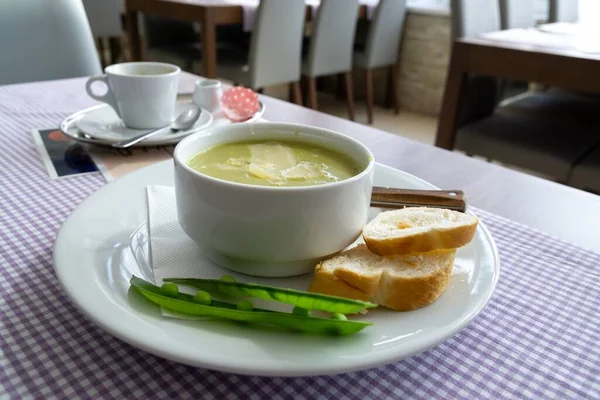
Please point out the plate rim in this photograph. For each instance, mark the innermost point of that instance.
(434, 339)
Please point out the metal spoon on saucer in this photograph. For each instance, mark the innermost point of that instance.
(184, 121)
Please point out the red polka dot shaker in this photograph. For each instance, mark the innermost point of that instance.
(240, 104)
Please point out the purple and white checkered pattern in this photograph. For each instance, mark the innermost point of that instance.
(538, 338)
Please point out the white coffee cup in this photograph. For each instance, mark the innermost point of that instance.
(143, 94)
(207, 94)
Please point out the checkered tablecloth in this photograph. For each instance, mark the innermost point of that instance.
(538, 338)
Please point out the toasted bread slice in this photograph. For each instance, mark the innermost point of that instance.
(414, 281)
(402, 283)
(418, 230)
(353, 273)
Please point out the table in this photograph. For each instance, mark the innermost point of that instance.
(209, 13)
(536, 339)
(528, 55)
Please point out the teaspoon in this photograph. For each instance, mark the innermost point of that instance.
(184, 121)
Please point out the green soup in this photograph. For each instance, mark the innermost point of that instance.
(274, 163)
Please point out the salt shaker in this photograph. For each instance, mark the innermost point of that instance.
(207, 94)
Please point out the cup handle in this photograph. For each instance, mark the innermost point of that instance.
(107, 98)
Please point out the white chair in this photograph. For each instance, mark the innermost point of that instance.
(331, 47)
(381, 48)
(473, 18)
(44, 40)
(105, 20)
(563, 11)
(515, 14)
(586, 174)
(544, 132)
(275, 49)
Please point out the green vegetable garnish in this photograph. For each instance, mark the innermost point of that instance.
(202, 297)
(245, 305)
(169, 289)
(308, 300)
(339, 317)
(301, 311)
(184, 303)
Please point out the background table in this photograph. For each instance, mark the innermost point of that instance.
(537, 338)
(535, 56)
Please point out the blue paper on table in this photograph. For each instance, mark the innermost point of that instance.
(61, 155)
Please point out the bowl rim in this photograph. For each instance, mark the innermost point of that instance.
(280, 189)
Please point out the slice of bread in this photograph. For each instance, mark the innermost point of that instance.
(418, 230)
(414, 281)
(402, 283)
(353, 273)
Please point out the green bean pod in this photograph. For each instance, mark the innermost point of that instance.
(184, 304)
(297, 298)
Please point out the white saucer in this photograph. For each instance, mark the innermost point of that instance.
(103, 127)
(103, 123)
(104, 241)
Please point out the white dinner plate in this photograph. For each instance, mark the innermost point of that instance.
(103, 242)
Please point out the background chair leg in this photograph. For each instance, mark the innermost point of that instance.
(393, 88)
(312, 92)
(114, 44)
(349, 95)
(304, 87)
(100, 44)
(295, 87)
(369, 83)
(340, 87)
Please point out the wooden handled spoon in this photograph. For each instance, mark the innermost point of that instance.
(399, 198)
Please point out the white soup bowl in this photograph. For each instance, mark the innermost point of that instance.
(265, 230)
